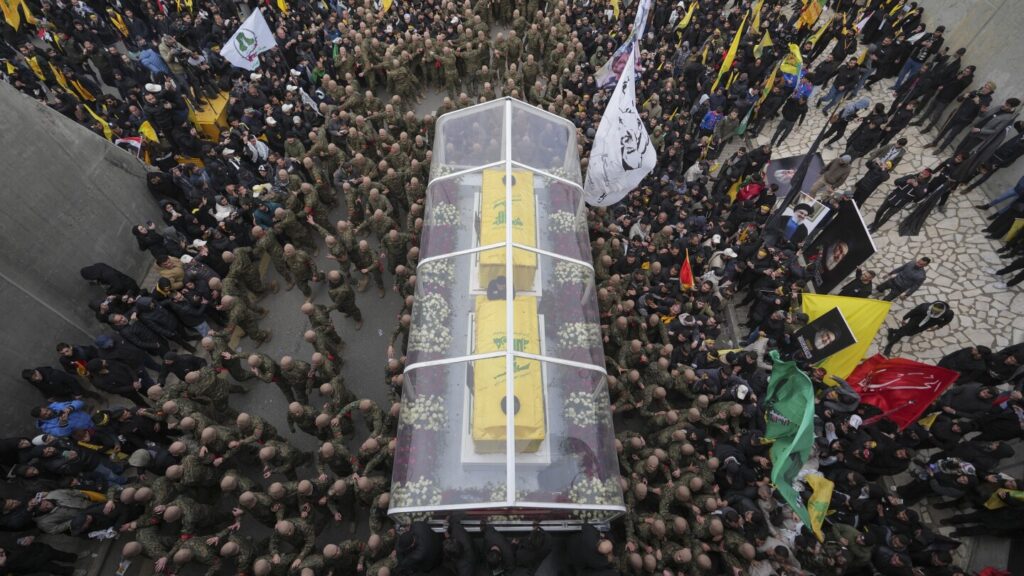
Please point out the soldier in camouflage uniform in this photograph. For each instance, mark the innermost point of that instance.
(396, 245)
(303, 417)
(331, 350)
(245, 267)
(260, 506)
(287, 224)
(368, 264)
(303, 269)
(265, 243)
(242, 317)
(320, 319)
(266, 369)
(344, 297)
(281, 458)
(296, 374)
(297, 533)
(206, 385)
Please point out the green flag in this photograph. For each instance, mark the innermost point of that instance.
(789, 415)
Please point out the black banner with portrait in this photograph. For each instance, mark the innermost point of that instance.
(839, 249)
(781, 170)
(826, 335)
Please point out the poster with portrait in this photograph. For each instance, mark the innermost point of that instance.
(826, 335)
(781, 170)
(839, 249)
(807, 211)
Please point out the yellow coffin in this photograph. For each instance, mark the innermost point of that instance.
(492, 227)
(488, 418)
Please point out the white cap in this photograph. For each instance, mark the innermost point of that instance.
(228, 151)
(337, 40)
(271, 121)
(856, 421)
(296, 120)
(255, 76)
(291, 88)
(154, 88)
(716, 238)
(286, 108)
(197, 243)
(294, 72)
(742, 391)
(185, 259)
(730, 253)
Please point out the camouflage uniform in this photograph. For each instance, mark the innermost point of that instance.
(270, 246)
(244, 318)
(213, 389)
(368, 263)
(298, 380)
(395, 249)
(270, 371)
(295, 230)
(306, 421)
(302, 539)
(344, 299)
(287, 459)
(303, 270)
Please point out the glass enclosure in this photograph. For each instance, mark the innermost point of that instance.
(505, 258)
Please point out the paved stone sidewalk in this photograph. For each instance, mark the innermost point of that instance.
(985, 314)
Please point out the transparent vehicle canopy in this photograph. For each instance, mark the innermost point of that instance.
(506, 308)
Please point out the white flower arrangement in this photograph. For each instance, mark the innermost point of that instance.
(421, 492)
(566, 273)
(426, 412)
(440, 272)
(431, 310)
(579, 335)
(581, 409)
(434, 339)
(593, 491)
(564, 222)
(498, 495)
(444, 214)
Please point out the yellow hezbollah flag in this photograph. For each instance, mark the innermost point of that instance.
(928, 420)
(864, 316)
(817, 504)
(731, 54)
(793, 61)
(756, 24)
(615, 7)
(107, 132)
(689, 16)
(1015, 229)
(996, 501)
(386, 5)
(768, 85)
(147, 131)
(821, 31)
(13, 15)
(810, 13)
(765, 42)
(282, 6)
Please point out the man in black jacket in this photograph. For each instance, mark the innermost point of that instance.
(179, 365)
(54, 384)
(909, 189)
(116, 378)
(927, 316)
(846, 78)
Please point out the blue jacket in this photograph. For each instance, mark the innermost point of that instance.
(77, 420)
(153, 62)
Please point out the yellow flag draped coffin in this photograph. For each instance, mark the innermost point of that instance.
(504, 411)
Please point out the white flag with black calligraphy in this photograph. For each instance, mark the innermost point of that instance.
(622, 154)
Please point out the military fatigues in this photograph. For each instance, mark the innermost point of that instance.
(298, 380)
(344, 299)
(287, 459)
(369, 266)
(270, 246)
(244, 318)
(295, 231)
(303, 270)
(270, 371)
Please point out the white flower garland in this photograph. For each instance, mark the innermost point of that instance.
(431, 310)
(425, 412)
(571, 273)
(564, 222)
(581, 410)
(437, 271)
(430, 339)
(421, 492)
(579, 335)
(593, 491)
(444, 214)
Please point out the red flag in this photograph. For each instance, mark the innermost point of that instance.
(686, 273)
(902, 389)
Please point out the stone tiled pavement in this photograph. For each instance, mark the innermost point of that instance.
(985, 315)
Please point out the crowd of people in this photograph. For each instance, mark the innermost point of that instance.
(183, 478)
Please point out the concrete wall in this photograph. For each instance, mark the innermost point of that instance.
(69, 200)
(990, 30)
